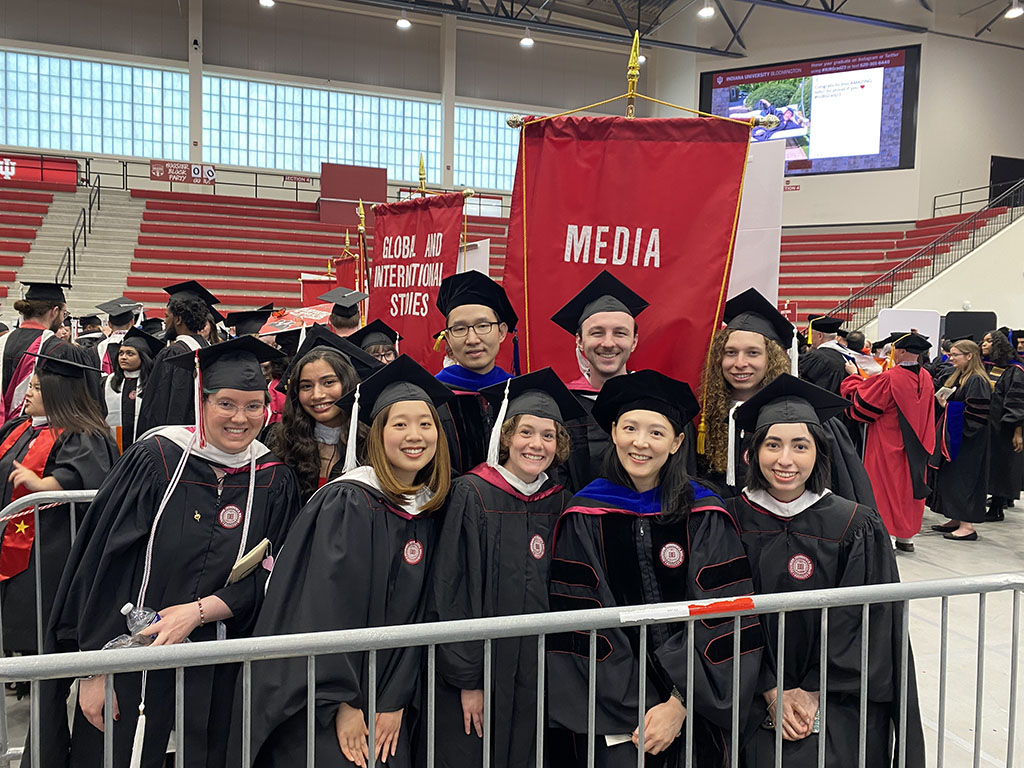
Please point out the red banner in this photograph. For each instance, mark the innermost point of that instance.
(653, 201)
(55, 170)
(415, 246)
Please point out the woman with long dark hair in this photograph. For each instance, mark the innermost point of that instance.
(800, 536)
(313, 432)
(358, 556)
(60, 444)
(645, 533)
(962, 446)
(123, 388)
(1006, 415)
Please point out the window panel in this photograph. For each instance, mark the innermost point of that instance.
(485, 149)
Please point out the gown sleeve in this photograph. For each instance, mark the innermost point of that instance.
(245, 596)
(869, 396)
(849, 477)
(83, 461)
(1013, 396)
(458, 583)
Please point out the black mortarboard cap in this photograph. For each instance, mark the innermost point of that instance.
(605, 293)
(912, 342)
(1017, 336)
(967, 337)
(195, 290)
(474, 287)
(648, 391)
(789, 400)
(85, 320)
(152, 325)
(318, 336)
(824, 323)
(142, 340)
(345, 301)
(121, 310)
(401, 380)
(67, 321)
(288, 341)
(376, 332)
(45, 292)
(842, 334)
(248, 321)
(59, 363)
(233, 364)
(540, 393)
(751, 311)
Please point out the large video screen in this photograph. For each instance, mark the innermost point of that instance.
(856, 112)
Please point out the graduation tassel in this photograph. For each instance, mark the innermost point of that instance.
(515, 354)
(702, 435)
(198, 399)
(794, 355)
(353, 429)
(494, 445)
(437, 341)
(302, 333)
(140, 728)
(730, 467)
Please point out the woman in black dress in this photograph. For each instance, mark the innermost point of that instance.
(1006, 415)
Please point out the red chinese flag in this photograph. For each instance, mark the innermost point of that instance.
(654, 201)
(415, 246)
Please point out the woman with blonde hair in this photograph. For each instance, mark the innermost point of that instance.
(746, 356)
(962, 448)
(358, 555)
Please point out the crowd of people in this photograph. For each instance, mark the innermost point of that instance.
(318, 479)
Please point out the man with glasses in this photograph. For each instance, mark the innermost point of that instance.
(478, 318)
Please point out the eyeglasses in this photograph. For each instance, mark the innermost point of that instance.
(227, 408)
(480, 329)
(956, 354)
(385, 357)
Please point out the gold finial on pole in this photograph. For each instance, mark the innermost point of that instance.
(467, 192)
(632, 76)
(770, 122)
(423, 178)
(347, 242)
(362, 218)
(515, 121)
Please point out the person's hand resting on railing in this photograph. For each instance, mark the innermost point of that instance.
(662, 724)
(799, 708)
(90, 699)
(473, 712)
(178, 621)
(350, 726)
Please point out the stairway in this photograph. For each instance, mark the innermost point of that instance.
(102, 262)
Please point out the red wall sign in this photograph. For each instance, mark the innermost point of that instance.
(55, 170)
(182, 173)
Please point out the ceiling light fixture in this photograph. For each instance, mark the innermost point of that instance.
(267, 3)
(526, 41)
(641, 59)
(1015, 11)
(403, 22)
(707, 10)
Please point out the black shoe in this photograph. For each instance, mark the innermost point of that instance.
(994, 515)
(972, 536)
(945, 528)
(906, 546)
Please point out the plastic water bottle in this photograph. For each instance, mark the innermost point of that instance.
(138, 619)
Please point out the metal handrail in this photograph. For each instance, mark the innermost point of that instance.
(68, 266)
(82, 664)
(954, 245)
(959, 205)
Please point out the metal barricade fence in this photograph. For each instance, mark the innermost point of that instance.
(34, 504)
(372, 640)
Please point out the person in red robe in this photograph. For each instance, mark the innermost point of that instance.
(899, 408)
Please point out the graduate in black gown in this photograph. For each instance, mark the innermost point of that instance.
(478, 317)
(825, 363)
(1006, 414)
(169, 398)
(492, 560)
(745, 356)
(960, 459)
(800, 536)
(124, 388)
(166, 531)
(359, 555)
(377, 339)
(646, 534)
(60, 444)
(603, 319)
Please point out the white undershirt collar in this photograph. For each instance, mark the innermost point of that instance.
(527, 489)
(412, 505)
(785, 508)
(326, 435)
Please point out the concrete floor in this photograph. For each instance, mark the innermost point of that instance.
(1000, 549)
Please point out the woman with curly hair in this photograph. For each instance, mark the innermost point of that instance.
(312, 434)
(493, 560)
(1006, 415)
(745, 356)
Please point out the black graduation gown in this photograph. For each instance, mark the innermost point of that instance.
(466, 421)
(824, 367)
(77, 461)
(191, 558)
(608, 552)
(169, 397)
(352, 560)
(1006, 412)
(833, 543)
(492, 560)
(20, 339)
(961, 453)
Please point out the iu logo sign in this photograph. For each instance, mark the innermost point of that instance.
(801, 567)
(672, 555)
(412, 552)
(7, 168)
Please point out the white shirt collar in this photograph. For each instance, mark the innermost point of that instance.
(412, 505)
(785, 508)
(527, 489)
